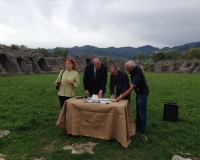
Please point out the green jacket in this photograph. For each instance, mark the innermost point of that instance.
(66, 89)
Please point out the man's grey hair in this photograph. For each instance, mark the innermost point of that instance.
(114, 66)
(131, 64)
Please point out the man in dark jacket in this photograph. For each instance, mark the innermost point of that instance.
(139, 84)
(119, 81)
(95, 78)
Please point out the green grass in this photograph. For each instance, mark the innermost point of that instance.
(29, 108)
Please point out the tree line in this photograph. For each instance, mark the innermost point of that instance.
(57, 52)
(149, 60)
(192, 53)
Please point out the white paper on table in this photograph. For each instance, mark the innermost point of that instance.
(89, 101)
(105, 99)
(102, 99)
(94, 97)
(105, 102)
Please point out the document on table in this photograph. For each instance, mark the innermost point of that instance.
(95, 99)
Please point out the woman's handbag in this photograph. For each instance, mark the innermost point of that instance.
(58, 84)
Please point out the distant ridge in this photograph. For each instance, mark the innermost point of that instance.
(124, 52)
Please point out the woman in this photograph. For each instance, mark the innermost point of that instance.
(68, 80)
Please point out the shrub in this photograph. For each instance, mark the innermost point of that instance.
(14, 46)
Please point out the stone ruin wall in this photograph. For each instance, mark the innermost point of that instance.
(29, 61)
(178, 66)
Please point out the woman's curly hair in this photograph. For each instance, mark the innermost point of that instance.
(73, 62)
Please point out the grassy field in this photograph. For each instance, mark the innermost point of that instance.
(29, 108)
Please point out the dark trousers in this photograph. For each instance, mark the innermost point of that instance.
(62, 100)
(141, 112)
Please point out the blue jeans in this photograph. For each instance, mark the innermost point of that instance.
(141, 112)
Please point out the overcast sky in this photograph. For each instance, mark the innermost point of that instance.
(100, 23)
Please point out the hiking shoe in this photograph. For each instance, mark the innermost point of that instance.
(143, 138)
(139, 134)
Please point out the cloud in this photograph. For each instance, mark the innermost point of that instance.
(119, 23)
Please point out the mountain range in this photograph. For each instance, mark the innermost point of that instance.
(125, 52)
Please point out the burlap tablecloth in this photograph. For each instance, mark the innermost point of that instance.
(104, 121)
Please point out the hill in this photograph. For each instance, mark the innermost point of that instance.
(124, 52)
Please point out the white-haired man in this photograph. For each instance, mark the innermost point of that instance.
(139, 84)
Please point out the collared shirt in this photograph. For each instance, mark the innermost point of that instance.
(95, 72)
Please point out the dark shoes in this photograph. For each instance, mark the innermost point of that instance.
(142, 137)
(139, 134)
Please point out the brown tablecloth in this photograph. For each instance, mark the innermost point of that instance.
(104, 121)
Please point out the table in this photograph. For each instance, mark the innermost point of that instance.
(104, 121)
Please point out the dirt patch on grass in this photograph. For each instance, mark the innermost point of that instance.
(81, 148)
(4, 133)
(188, 156)
(2, 157)
(50, 147)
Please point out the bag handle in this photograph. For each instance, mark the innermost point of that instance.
(62, 74)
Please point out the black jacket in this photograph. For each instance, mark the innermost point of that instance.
(142, 87)
(94, 85)
(121, 82)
